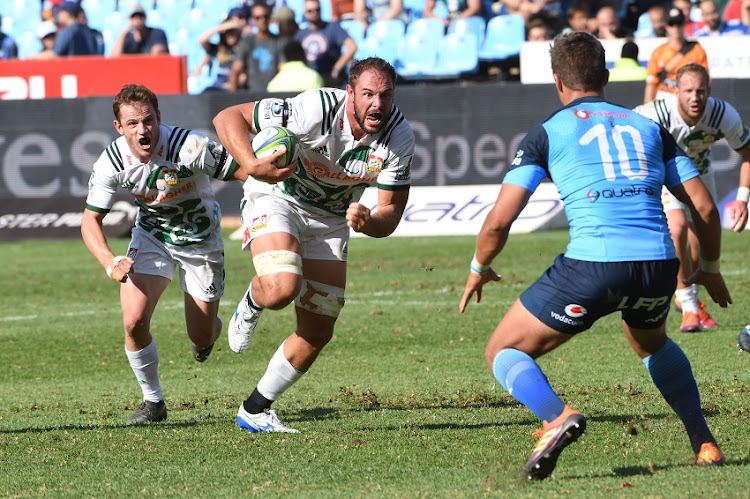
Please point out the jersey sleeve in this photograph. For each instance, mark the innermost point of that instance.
(735, 131)
(396, 172)
(530, 166)
(103, 182)
(202, 155)
(309, 113)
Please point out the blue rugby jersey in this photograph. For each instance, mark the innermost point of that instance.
(608, 164)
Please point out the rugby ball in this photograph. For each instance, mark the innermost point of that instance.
(270, 139)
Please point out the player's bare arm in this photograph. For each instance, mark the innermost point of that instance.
(694, 194)
(492, 238)
(117, 268)
(739, 207)
(381, 223)
(233, 126)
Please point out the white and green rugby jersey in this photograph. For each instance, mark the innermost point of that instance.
(719, 120)
(173, 191)
(333, 168)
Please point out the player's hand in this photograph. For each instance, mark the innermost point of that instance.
(357, 216)
(265, 169)
(474, 285)
(739, 216)
(121, 267)
(714, 284)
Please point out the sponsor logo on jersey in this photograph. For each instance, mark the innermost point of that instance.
(320, 170)
(624, 192)
(277, 108)
(574, 310)
(161, 151)
(323, 151)
(260, 222)
(127, 185)
(130, 159)
(246, 237)
(374, 163)
(565, 319)
(517, 159)
(580, 113)
(165, 195)
(132, 252)
(171, 177)
(341, 124)
(211, 289)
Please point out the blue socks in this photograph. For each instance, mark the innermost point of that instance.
(524, 380)
(670, 370)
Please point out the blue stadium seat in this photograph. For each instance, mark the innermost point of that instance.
(645, 29)
(355, 29)
(413, 8)
(298, 6)
(458, 54)
(429, 27)
(373, 47)
(387, 31)
(27, 44)
(326, 10)
(417, 57)
(503, 38)
(474, 25)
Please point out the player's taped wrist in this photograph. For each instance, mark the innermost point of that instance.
(111, 267)
(478, 268)
(743, 194)
(710, 266)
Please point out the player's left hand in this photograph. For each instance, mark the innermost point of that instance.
(357, 216)
(739, 216)
(474, 285)
(714, 284)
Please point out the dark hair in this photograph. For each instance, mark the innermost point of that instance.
(578, 60)
(629, 50)
(374, 64)
(293, 51)
(134, 94)
(693, 68)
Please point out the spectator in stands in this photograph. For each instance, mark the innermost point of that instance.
(224, 52)
(369, 11)
(457, 9)
(657, 15)
(627, 68)
(258, 54)
(73, 38)
(139, 38)
(329, 48)
(578, 18)
(608, 25)
(284, 19)
(667, 58)
(8, 47)
(715, 25)
(83, 20)
(46, 32)
(342, 10)
(294, 76)
(538, 31)
(686, 6)
(737, 10)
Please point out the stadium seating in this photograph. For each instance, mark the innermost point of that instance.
(417, 57)
(382, 39)
(355, 29)
(372, 47)
(503, 38)
(387, 31)
(429, 27)
(474, 25)
(645, 29)
(413, 8)
(458, 54)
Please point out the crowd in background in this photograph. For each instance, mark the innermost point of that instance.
(301, 43)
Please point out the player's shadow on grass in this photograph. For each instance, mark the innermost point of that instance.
(90, 427)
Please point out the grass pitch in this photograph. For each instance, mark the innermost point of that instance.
(400, 404)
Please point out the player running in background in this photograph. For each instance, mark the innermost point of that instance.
(298, 231)
(167, 169)
(697, 121)
(609, 165)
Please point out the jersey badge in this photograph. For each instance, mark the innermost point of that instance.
(341, 124)
(574, 310)
(374, 163)
(132, 252)
(260, 222)
(580, 113)
(127, 185)
(323, 151)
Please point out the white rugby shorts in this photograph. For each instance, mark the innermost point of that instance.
(201, 265)
(672, 203)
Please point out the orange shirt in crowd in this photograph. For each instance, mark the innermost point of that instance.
(662, 56)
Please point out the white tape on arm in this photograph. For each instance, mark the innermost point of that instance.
(111, 267)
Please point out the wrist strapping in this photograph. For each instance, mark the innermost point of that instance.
(711, 266)
(111, 267)
(743, 194)
(478, 268)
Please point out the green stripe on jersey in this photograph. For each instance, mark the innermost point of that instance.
(393, 187)
(96, 209)
(113, 153)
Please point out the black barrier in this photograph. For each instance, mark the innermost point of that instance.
(465, 135)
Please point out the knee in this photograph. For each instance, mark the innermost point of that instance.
(135, 322)
(279, 292)
(489, 354)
